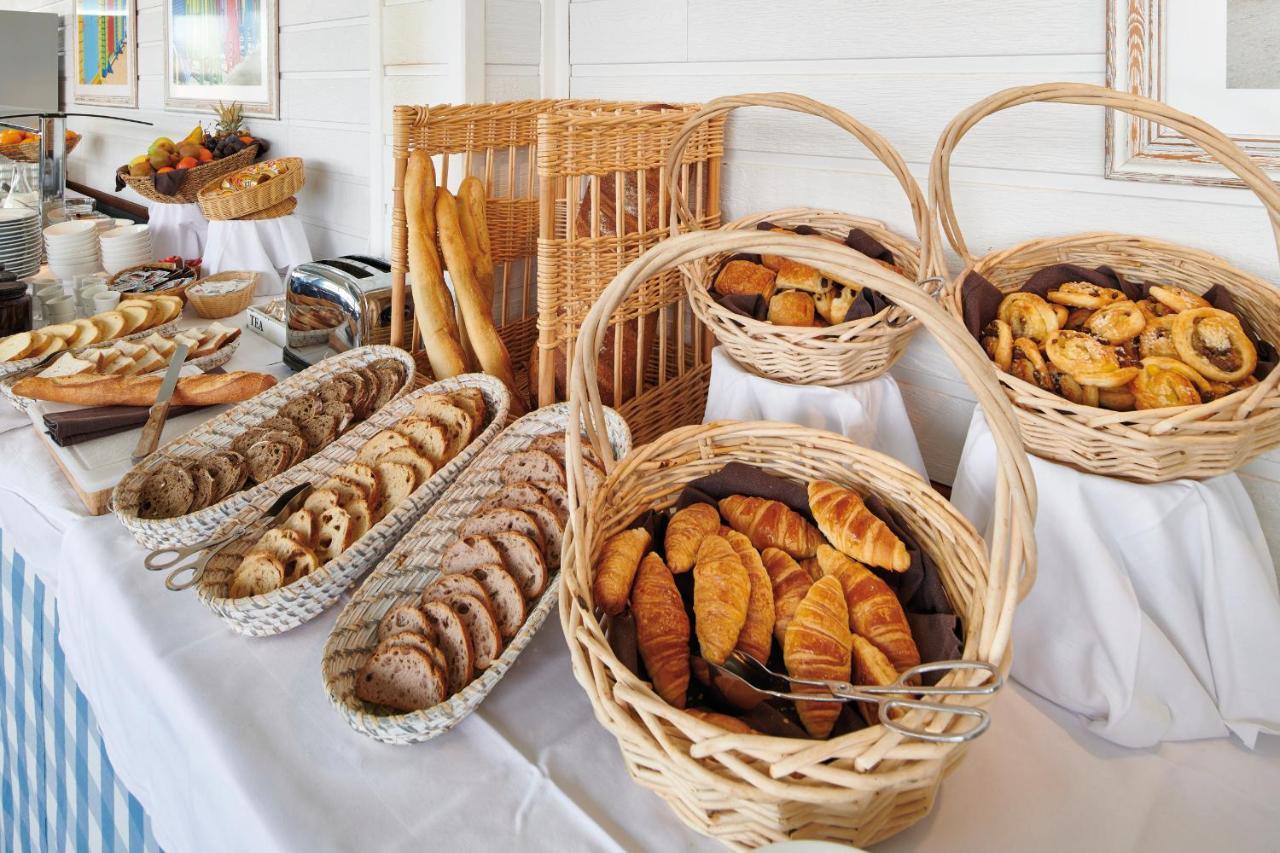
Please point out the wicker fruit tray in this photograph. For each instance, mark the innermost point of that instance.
(192, 181)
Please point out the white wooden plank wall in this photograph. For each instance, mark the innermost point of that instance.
(906, 69)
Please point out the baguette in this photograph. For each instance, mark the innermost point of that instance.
(477, 312)
(475, 228)
(97, 390)
(432, 305)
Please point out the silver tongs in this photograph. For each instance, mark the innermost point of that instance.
(751, 682)
(172, 559)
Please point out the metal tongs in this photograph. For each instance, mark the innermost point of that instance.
(751, 682)
(172, 559)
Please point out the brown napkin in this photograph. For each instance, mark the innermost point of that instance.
(982, 300)
(74, 427)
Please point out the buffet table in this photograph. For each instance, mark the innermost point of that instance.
(220, 742)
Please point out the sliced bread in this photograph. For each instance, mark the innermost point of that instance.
(167, 492)
(454, 640)
(471, 401)
(335, 533)
(505, 596)
(536, 466)
(456, 423)
(465, 554)
(499, 520)
(417, 641)
(513, 495)
(486, 640)
(401, 677)
(421, 465)
(361, 518)
(440, 588)
(301, 407)
(398, 482)
(523, 559)
(552, 531)
(427, 437)
(405, 617)
(318, 430)
(292, 549)
(364, 478)
(382, 443)
(258, 573)
(202, 485)
(303, 522)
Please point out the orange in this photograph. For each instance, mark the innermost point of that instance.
(246, 139)
(188, 162)
(205, 155)
(164, 169)
(10, 137)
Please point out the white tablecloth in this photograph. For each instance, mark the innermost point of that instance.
(177, 229)
(870, 413)
(269, 246)
(230, 743)
(1155, 612)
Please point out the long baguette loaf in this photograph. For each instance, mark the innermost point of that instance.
(96, 390)
(477, 312)
(432, 305)
(475, 228)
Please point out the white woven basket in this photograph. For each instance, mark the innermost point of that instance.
(413, 564)
(217, 433)
(292, 605)
(8, 368)
(204, 362)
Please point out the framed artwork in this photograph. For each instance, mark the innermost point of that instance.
(1216, 59)
(222, 50)
(104, 40)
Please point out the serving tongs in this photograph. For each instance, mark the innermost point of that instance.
(746, 682)
(175, 560)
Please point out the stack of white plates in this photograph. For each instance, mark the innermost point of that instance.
(72, 248)
(125, 247)
(20, 241)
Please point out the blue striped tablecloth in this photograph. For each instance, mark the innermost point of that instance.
(59, 791)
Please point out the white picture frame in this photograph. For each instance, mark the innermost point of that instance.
(1186, 53)
(200, 40)
(104, 47)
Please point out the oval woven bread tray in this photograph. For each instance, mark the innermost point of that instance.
(205, 363)
(9, 368)
(412, 565)
(292, 605)
(29, 152)
(218, 306)
(1151, 445)
(275, 211)
(216, 204)
(192, 181)
(217, 434)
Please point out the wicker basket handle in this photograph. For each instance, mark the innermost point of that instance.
(1212, 140)
(1012, 543)
(681, 215)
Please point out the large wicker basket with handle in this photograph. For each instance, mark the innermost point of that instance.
(193, 179)
(1153, 445)
(851, 351)
(747, 789)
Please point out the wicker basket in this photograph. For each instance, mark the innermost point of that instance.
(275, 211)
(29, 151)
(192, 181)
(290, 606)
(750, 790)
(1154, 445)
(849, 352)
(533, 156)
(412, 565)
(223, 304)
(217, 433)
(215, 204)
(11, 368)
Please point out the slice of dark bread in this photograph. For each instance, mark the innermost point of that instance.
(499, 520)
(251, 436)
(486, 639)
(229, 472)
(417, 641)
(405, 617)
(371, 384)
(454, 640)
(268, 458)
(400, 677)
(202, 485)
(318, 430)
(523, 559)
(301, 407)
(504, 595)
(536, 466)
(337, 390)
(167, 492)
(281, 423)
(341, 413)
(463, 554)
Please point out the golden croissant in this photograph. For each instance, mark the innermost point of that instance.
(854, 529)
(662, 629)
(790, 585)
(874, 610)
(616, 568)
(818, 645)
(685, 532)
(871, 667)
(771, 524)
(721, 592)
(756, 637)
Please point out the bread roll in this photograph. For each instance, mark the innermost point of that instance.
(94, 390)
(791, 308)
(432, 305)
(745, 278)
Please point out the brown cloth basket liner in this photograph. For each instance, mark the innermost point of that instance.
(982, 300)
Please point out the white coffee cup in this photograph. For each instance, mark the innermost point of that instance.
(105, 300)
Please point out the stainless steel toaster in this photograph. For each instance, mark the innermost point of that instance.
(335, 305)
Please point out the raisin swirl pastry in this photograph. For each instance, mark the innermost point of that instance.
(1029, 366)
(997, 340)
(1088, 360)
(1028, 316)
(1118, 322)
(1082, 294)
(1177, 299)
(1214, 343)
(1157, 339)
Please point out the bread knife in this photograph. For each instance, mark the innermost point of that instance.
(150, 437)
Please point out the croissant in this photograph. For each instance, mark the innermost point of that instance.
(811, 567)
(818, 646)
(616, 568)
(874, 611)
(771, 524)
(871, 667)
(790, 585)
(756, 637)
(685, 532)
(854, 529)
(662, 629)
(721, 592)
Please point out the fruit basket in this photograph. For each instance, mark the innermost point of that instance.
(173, 172)
(27, 150)
(252, 190)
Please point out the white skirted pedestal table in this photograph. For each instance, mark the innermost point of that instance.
(271, 247)
(177, 229)
(1155, 613)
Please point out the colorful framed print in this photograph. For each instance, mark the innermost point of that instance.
(105, 43)
(222, 50)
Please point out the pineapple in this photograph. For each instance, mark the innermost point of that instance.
(230, 120)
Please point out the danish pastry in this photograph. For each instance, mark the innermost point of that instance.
(1157, 338)
(1176, 299)
(1079, 352)
(1028, 316)
(1164, 363)
(1028, 365)
(997, 340)
(1117, 322)
(1157, 388)
(1214, 343)
(1068, 387)
(1082, 294)
(833, 303)
(1077, 318)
